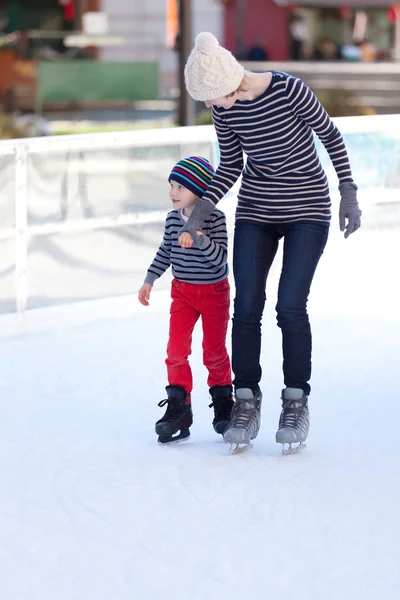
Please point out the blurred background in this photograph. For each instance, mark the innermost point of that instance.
(81, 216)
(74, 66)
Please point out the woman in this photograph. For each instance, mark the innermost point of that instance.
(284, 194)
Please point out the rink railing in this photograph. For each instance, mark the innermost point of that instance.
(185, 138)
(22, 149)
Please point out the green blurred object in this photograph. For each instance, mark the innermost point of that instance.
(14, 15)
(204, 118)
(89, 81)
(342, 103)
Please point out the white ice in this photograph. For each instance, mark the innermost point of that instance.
(91, 508)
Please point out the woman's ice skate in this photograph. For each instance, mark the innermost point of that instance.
(294, 421)
(245, 421)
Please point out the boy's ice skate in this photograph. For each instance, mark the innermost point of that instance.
(177, 418)
(294, 421)
(222, 403)
(245, 422)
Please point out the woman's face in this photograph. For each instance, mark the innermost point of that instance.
(224, 102)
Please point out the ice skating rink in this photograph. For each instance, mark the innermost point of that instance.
(91, 508)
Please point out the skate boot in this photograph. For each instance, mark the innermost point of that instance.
(245, 421)
(222, 403)
(177, 418)
(294, 421)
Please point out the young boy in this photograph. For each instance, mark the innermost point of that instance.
(200, 288)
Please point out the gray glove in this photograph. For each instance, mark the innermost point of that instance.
(201, 211)
(349, 208)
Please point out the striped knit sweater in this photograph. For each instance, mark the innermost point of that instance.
(205, 262)
(283, 180)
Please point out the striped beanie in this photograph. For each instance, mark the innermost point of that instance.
(194, 173)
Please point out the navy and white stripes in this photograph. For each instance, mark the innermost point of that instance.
(283, 180)
(205, 262)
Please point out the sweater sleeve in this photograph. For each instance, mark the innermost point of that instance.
(307, 107)
(162, 259)
(215, 246)
(231, 160)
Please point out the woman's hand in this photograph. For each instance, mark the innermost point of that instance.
(349, 210)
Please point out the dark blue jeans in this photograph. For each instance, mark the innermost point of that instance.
(255, 246)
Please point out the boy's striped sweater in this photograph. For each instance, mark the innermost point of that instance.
(205, 262)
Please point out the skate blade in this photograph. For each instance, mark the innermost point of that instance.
(167, 440)
(239, 448)
(172, 442)
(288, 449)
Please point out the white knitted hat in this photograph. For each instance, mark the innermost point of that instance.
(211, 71)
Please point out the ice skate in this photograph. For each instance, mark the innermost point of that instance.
(294, 421)
(178, 417)
(222, 403)
(245, 421)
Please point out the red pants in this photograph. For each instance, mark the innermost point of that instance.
(189, 302)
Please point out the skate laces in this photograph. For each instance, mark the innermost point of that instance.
(173, 408)
(291, 412)
(244, 412)
(222, 408)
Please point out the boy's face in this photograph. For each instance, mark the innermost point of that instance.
(180, 196)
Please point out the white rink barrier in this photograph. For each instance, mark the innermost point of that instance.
(120, 180)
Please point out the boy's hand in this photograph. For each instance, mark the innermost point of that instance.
(185, 240)
(144, 294)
